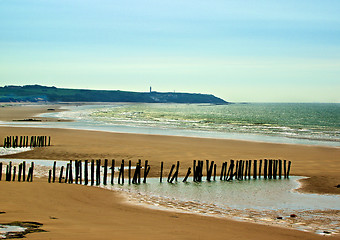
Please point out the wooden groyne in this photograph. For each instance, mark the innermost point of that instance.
(98, 171)
(26, 141)
(13, 174)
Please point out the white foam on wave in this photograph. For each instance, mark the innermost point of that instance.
(9, 151)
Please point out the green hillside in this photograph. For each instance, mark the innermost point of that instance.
(36, 93)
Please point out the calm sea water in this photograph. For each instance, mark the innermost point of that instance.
(300, 123)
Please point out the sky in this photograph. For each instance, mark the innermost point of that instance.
(241, 51)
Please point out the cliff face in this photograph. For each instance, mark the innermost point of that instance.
(36, 93)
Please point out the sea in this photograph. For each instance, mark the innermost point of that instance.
(296, 123)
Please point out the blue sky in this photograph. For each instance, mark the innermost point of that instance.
(256, 51)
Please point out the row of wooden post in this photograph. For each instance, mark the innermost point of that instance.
(238, 170)
(25, 141)
(10, 174)
(92, 170)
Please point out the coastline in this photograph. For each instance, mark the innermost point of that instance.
(74, 222)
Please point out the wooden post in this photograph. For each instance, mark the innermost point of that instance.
(139, 168)
(161, 174)
(285, 168)
(270, 169)
(14, 172)
(288, 171)
(49, 140)
(260, 167)
(20, 143)
(122, 169)
(10, 172)
(170, 173)
(222, 171)
(76, 171)
(274, 168)
(80, 172)
(0, 170)
(49, 175)
(249, 169)
(280, 169)
(135, 175)
(61, 174)
(70, 177)
(265, 167)
(19, 172)
(145, 169)
(92, 172)
(187, 175)
(105, 172)
(207, 169)
(177, 170)
(215, 172)
(86, 172)
(67, 172)
(246, 171)
(255, 169)
(98, 172)
(129, 171)
(54, 170)
(225, 172)
(120, 173)
(194, 170)
(112, 171)
(32, 169)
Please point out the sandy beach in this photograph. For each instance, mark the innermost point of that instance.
(80, 212)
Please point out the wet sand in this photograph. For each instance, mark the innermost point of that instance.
(92, 213)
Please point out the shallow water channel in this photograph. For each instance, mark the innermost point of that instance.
(273, 202)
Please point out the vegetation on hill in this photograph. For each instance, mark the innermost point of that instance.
(36, 93)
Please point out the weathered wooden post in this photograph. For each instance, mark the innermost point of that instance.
(280, 169)
(80, 172)
(19, 173)
(92, 172)
(260, 168)
(255, 169)
(274, 168)
(20, 143)
(265, 168)
(288, 171)
(207, 169)
(187, 175)
(61, 174)
(270, 169)
(170, 173)
(129, 171)
(14, 172)
(86, 172)
(31, 171)
(161, 174)
(222, 171)
(105, 172)
(67, 172)
(49, 175)
(225, 172)
(98, 172)
(70, 177)
(215, 172)
(112, 171)
(54, 170)
(122, 169)
(139, 168)
(145, 170)
(249, 169)
(10, 172)
(246, 170)
(49, 140)
(285, 168)
(0, 170)
(194, 170)
(76, 171)
(177, 171)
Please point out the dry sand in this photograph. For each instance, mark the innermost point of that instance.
(92, 213)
